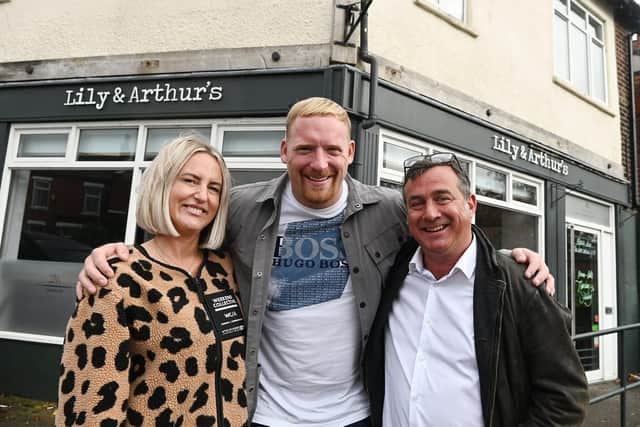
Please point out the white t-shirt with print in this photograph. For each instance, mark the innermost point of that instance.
(310, 345)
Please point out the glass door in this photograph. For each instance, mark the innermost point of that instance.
(583, 257)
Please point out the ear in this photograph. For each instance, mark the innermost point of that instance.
(472, 204)
(283, 150)
(351, 151)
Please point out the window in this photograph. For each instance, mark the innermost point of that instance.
(92, 198)
(454, 8)
(69, 187)
(510, 206)
(579, 49)
(40, 188)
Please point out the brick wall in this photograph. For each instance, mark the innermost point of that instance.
(624, 90)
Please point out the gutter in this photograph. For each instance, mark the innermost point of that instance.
(367, 58)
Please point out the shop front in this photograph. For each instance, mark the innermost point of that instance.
(74, 151)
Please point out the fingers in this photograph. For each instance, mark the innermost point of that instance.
(551, 285)
(79, 292)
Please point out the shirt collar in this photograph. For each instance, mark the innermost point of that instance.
(466, 263)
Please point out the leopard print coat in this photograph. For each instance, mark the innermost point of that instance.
(156, 347)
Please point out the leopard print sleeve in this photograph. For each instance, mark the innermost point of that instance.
(94, 371)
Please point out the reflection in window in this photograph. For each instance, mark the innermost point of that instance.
(252, 143)
(42, 145)
(525, 193)
(64, 232)
(40, 188)
(393, 156)
(107, 144)
(158, 137)
(491, 183)
(92, 198)
(508, 229)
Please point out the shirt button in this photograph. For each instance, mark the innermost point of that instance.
(363, 304)
(259, 274)
(262, 237)
(356, 270)
(255, 312)
(346, 234)
(377, 254)
(357, 206)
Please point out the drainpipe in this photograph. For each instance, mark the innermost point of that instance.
(634, 130)
(366, 57)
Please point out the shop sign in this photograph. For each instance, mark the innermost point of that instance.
(522, 152)
(142, 94)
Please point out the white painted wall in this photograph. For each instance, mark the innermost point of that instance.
(44, 29)
(509, 64)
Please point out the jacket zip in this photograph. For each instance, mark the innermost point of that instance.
(496, 362)
(218, 364)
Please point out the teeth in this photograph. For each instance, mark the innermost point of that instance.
(318, 179)
(194, 211)
(434, 229)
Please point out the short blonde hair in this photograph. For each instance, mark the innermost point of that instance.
(318, 106)
(152, 211)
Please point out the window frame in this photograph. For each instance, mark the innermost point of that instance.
(392, 177)
(590, 40)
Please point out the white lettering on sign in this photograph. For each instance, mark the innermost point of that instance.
(160, 93)
(528, 154)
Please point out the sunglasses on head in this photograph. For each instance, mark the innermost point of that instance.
(425, 161)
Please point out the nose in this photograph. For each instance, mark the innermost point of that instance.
(319, 160)
(201, 193)
(430, 211)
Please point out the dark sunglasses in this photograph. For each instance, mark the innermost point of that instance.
(425, 161)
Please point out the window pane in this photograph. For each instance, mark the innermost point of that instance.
(561, 5)
(252, 143)
(578, 16)
(107, 144)
(158, 137)
(595, 29)
(587, 210)
(491, 183)
(454, 8)
(393, 156)
(597, 67)
(525, 193)
(579, 65)
(39, 145)
(508, 229)
(561, 47)
(66, 232)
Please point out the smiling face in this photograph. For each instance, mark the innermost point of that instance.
(439, 217)
(195, 195)
(317, 151)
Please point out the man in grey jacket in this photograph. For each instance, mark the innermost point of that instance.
(311, 250)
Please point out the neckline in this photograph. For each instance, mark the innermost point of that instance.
(198, 274)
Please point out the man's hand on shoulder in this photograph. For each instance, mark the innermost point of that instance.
(537, 270)
(96, 268)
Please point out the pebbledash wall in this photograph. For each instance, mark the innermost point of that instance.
(74, 150)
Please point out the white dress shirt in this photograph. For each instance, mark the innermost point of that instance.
(431, 373)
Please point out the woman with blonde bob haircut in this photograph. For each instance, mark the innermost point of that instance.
(163, 342)
(153, 209)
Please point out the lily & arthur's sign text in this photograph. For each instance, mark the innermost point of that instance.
(528, 154)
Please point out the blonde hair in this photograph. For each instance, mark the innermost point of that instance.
(152, 209)
(318, 106)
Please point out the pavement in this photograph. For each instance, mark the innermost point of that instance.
(15, 411)
(607, 412)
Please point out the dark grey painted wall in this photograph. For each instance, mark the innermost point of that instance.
(29, 369)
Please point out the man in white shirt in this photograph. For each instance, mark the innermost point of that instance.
(459, 338)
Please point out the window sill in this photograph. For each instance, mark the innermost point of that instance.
(462, 26)
(599, 105)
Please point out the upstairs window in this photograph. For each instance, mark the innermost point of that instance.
(579, 49)
(454, 8)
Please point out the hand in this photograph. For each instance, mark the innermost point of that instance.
(537, 270)
(97, 270)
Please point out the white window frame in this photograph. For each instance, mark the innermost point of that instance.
(392, 176)
(437, 4)
(590, 40)
(137, 165)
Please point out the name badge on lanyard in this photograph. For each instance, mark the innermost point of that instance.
(226, 314)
